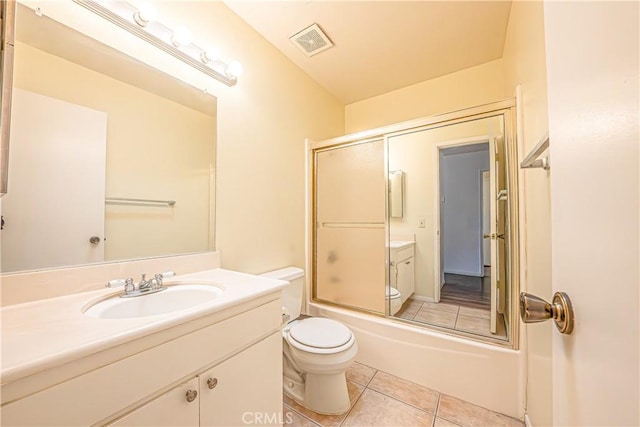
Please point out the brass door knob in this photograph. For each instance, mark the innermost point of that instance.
(534, 309)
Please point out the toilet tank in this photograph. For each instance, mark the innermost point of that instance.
(292, 294)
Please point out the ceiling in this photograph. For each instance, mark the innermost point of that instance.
(380, 46)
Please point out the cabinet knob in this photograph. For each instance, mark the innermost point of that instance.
(191, 395)
(212, 383)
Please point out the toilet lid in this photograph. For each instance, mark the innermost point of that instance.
(320, 333)
(392, 293)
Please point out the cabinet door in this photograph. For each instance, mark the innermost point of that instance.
(169, 409)
(245, 389)
(406, 279)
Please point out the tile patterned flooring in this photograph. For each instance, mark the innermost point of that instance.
(381, 399)
(472, 320)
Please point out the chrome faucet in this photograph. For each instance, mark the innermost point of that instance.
(144, 287)
(144, 284)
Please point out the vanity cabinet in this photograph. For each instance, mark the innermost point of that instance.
(244, 389)
(145, 381)
(402, 270)
(177, 407)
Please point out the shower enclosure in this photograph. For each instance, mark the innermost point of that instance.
(418, 222)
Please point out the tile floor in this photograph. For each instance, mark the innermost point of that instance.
(381, 399)
(473, 320)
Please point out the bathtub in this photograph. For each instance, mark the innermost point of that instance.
(483, 374)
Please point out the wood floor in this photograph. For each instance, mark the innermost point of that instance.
(466, 291)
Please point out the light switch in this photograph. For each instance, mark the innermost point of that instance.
(420, 222)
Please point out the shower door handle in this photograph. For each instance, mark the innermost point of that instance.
(534, 309)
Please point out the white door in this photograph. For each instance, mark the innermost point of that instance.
(592, 53)
(180, 406)
(493, 229)
(486, 219)
(56, 185)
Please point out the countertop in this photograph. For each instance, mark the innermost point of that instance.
(43, 334)
(400, 244)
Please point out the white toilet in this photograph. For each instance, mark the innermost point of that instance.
(394, 300)
(317, 352)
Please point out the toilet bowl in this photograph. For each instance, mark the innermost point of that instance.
(394, 300)
(316, 352)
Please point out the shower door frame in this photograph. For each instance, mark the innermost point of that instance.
(507, 108)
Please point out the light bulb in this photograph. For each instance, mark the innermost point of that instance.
(234, 69)
(145, 14)
(181, 36)
(209, 55)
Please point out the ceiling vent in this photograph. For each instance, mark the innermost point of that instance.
(311, 40)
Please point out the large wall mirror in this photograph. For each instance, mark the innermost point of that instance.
(109, 159)
(419, 223)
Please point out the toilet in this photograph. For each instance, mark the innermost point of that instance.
(316, 351)
(394, 300)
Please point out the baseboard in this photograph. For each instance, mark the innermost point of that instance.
(527, 420)
(421, 298)
(465, 273)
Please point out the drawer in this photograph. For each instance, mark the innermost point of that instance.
(403, 254)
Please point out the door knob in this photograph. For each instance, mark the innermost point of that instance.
(94, 240)
(493, 236)
(534, 309)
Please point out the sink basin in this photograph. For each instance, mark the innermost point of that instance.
(174, 298)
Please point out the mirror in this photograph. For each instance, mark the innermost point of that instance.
(109, 159)
(419, 223)
(449, 251)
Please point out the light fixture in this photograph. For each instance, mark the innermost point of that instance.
(141, 22)
(235, 69)
(209, 55)
(146, 13)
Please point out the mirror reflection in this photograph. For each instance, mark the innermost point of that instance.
(426, 237)
(91, 127)
(447, 252)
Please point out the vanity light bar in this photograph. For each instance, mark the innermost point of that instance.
(124, 15)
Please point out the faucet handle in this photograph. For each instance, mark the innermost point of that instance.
(129, 286)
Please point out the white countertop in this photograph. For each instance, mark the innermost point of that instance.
(43, 334)
(399, 244)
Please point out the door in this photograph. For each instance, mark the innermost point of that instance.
(49, 188)
(486, 219)
(177, 407)
(234, 395)
(350, 226)
(594, 133)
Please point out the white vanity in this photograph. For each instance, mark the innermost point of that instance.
(402, 267)
(216, 363)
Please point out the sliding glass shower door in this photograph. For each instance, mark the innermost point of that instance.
(350, 220)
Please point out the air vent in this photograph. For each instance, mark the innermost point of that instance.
(311, 40)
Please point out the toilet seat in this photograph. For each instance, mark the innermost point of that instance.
(318, 335)
(392, 293)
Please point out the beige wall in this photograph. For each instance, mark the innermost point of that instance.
(262, 126)
(467, 88)
(525, 64)
(156, 149)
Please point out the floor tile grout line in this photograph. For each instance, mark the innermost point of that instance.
(301, 414)
(402, 401)
(351, 407)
